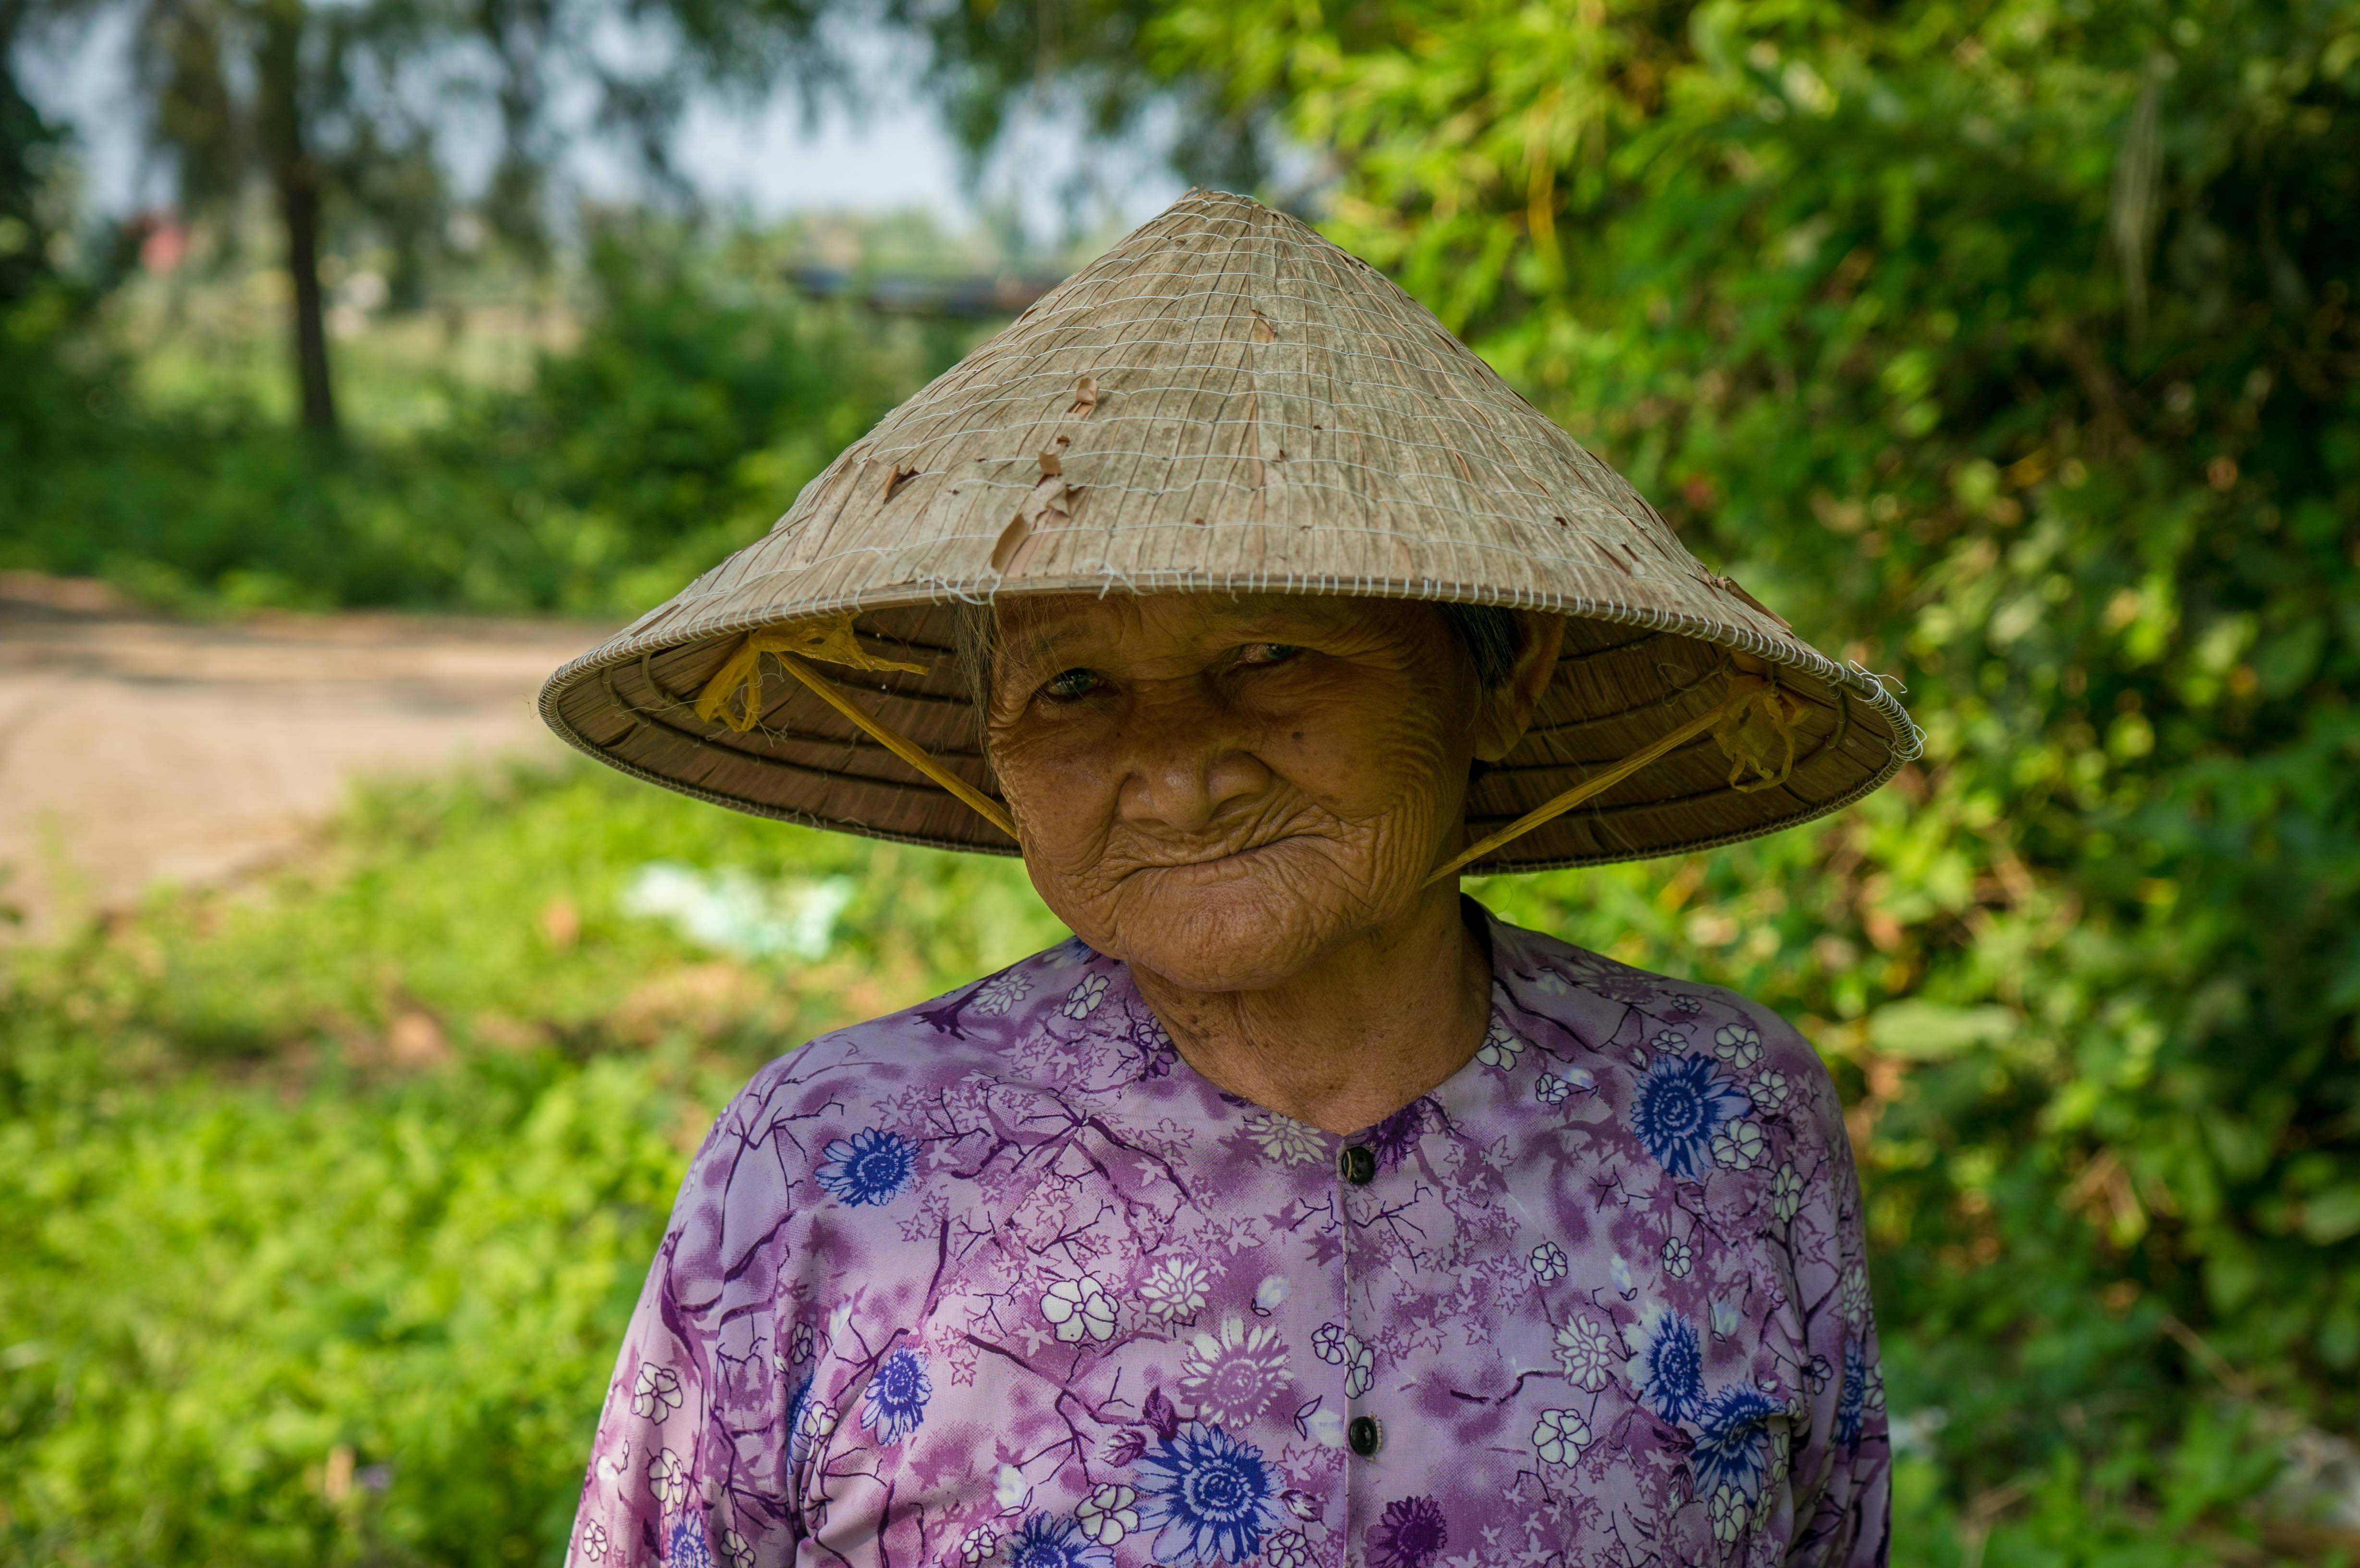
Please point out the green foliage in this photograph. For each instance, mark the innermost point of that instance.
(700, 398)
(2013, 340)
(323, 1210)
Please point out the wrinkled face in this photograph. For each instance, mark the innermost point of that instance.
(1225, 790)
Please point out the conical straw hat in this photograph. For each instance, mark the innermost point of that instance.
(1225, 401)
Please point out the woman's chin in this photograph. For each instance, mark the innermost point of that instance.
(1246, 935)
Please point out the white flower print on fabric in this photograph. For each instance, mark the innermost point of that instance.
(736, 1549)
(1271, 1294)
(1786, 1194)
(1554, 1088)
(1688, 1003)
(816, 1424)
(1740, 1045)
(1078, 1307)
(1561, 1436)
(1854, 1302)
(1771, 1088)
(1501, 1047)
(1084, 998)
(1730, 1514)
(1725, 1318)
(1174, 1291)
(594, 1541)
(1001, 992)
(1009, 1490)
(1109, 1513)
(1548, 1262)
(1678, 1258)
(1291, 1549)
(1738, 1146)
(1359, 1367)
(1671, 1040)
(655, 1392)
(978, 1546)
(1285, 1139)
(667, 1477)
(799, 1344)
(1327, 1342)
(1231, 1379)
(1588, 1352)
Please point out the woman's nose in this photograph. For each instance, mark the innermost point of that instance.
(1186, 769)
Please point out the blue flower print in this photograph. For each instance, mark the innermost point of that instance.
(1680, 1102)
(1395, 1138)
(1732, 1445)
(895, 1401)
(799, 1414)
(1667, 1364)
(1213, 1497)
(688, 1548)
(1851, 1401)
(1045, 1541)
(872, 1167)
(1411, 1534)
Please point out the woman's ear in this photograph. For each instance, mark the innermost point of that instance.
(1508, 708)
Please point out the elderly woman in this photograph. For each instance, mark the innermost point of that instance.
(1296, 1212)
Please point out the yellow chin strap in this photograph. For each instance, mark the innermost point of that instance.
(734, 697)
(1755, 722)
(1754, 719)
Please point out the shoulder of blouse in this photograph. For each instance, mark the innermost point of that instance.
(1723, 1016)
(817, 1110)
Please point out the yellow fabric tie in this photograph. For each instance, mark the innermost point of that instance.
(1751, 721)
(734, 697)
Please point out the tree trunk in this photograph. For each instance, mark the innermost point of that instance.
(295, 180)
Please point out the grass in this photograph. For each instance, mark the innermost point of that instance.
(324, 1203)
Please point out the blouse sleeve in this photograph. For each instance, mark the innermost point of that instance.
(689, 1466)
(1841, 1467)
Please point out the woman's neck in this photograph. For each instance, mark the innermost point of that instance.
(1353, 1038)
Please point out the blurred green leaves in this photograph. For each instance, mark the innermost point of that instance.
(702, 395)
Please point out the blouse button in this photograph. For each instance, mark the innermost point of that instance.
(1359, 1165)
(1364, 1435)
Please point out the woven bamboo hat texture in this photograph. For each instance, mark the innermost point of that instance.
(1225, 401)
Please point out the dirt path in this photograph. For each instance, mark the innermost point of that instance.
(135, 748)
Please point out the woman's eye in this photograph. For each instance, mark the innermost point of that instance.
(1072, 683)
(1268, 652)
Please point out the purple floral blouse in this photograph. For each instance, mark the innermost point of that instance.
(1000, 1280)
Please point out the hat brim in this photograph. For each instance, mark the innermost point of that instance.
(1622, 679)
